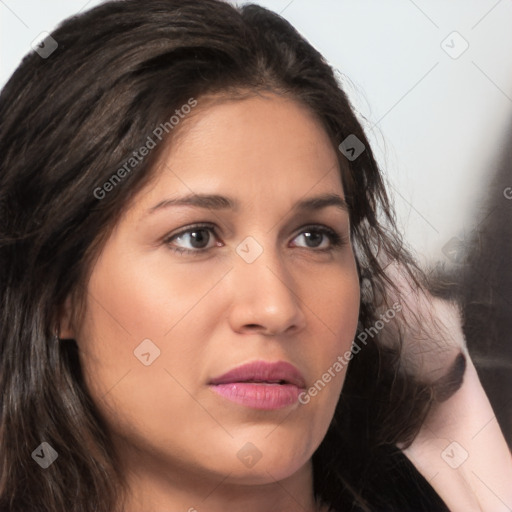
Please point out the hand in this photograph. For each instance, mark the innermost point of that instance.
(430, 328)
(460, 448)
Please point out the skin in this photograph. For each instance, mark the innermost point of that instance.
(460, 449)
(210, 312)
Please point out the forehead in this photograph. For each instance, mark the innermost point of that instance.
(251, 124)
(259, 147)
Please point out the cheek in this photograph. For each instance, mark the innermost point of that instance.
(334, 313)
(148, 297)
(144, 329)
(336, 305)
(132, 299)
(341, 314)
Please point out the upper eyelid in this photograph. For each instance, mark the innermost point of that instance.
(192, 227)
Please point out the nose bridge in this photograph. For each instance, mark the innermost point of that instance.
(264, 295)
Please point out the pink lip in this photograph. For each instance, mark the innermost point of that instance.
(261, 385)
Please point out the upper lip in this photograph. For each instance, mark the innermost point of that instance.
(263, 371)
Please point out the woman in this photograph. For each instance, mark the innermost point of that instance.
(205, 302)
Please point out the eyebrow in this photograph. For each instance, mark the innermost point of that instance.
(218, 202)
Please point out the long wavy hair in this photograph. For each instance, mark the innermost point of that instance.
(67, 123)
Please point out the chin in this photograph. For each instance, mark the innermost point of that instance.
(274, 469)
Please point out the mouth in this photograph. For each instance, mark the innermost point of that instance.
(261, 385)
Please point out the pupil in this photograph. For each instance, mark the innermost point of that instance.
(313, 236)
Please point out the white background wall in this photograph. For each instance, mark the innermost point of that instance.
(438, 124)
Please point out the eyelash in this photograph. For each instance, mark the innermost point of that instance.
(337, 241)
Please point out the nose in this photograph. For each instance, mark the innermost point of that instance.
(264, 297)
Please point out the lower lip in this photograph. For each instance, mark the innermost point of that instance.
(259, 395)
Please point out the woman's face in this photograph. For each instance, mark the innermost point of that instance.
(172, 306)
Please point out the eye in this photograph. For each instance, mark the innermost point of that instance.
(201, 238)
(197, 238)
(321, 238)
